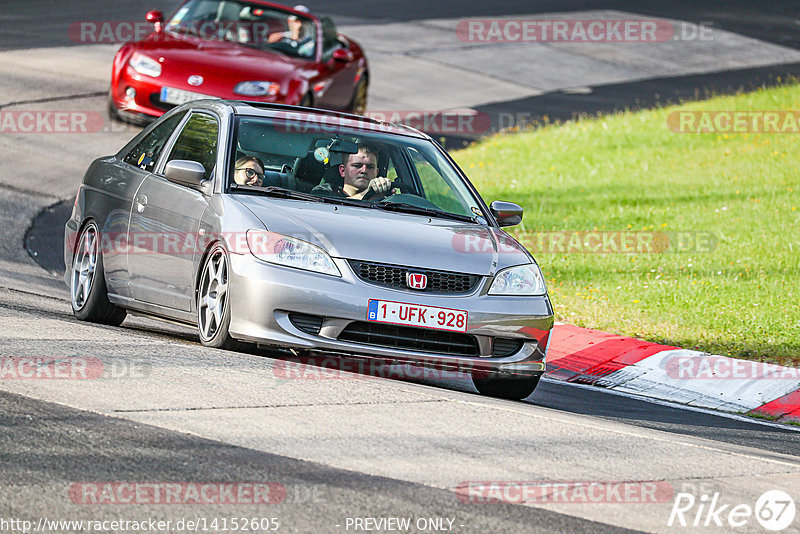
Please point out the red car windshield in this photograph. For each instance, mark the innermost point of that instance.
(247, 24)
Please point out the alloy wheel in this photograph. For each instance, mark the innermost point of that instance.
(84, 267)
(213, 294)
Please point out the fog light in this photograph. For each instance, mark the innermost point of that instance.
(130, 93)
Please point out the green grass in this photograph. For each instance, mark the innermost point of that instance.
(630, 172)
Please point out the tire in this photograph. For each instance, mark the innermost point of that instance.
(87, 289)
(113, 114)
(125, 117)
(506, 387)
(213, 305)
(358, 106)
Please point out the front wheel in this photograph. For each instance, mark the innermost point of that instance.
(87, 289)
(213, 305)
(512, 388)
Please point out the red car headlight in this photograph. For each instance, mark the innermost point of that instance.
(145, 65)
(257, 88)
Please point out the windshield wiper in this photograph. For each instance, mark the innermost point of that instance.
(402, 207)
(282, 192)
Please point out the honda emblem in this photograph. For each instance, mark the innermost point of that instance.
(416, 280)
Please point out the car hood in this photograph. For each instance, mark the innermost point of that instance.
(221, 59)
(390, 237)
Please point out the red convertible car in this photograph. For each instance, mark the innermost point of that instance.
(252, 50)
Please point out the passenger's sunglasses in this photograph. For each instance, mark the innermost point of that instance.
(250, 173)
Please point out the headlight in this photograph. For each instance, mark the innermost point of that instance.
(145, 65)
(290, 252)
(519, 280)
(257, 88)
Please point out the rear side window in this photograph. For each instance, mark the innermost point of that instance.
(146, 152)
(198, 142)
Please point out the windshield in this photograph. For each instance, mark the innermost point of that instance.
(370, 169)
(246, 24)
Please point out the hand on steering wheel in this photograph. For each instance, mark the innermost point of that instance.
(378, 188)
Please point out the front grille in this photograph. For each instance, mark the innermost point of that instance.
(395, 276)
(504, 346)
(310, 324)
(410, 338)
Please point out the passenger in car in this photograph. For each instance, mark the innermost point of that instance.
(360, 177)
(249, 170)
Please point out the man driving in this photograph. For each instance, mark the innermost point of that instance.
(360, 177)
(299, 38)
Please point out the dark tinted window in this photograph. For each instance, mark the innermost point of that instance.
(198, 142)
(145, 154)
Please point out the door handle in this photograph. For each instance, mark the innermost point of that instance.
(141, 202)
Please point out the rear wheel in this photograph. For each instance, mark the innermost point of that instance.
(512, 388)
(213, 305)
(87, 288)
(359, 104)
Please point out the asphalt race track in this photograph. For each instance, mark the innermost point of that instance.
(334, 451)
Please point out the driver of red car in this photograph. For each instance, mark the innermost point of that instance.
(299, 37)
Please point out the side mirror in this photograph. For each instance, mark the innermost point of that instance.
(185, 172)
(506, 213)
(156, 17)
(342, 54)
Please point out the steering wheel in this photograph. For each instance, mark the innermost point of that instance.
(380, 196)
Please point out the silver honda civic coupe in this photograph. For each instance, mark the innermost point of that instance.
(313, 232)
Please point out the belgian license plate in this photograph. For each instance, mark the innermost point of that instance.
(389, 312)
(170, 95)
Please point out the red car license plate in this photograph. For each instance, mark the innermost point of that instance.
(389, 312)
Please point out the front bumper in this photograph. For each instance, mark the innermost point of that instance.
(263, 296)
(147, 103)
